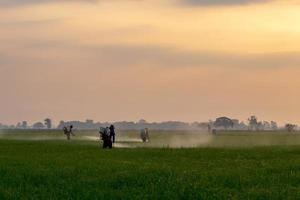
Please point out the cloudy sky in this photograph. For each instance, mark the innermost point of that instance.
(188, 60)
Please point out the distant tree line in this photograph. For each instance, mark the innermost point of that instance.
(24, 125)
(221, 123)
(225, 123)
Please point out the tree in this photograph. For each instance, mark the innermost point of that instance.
(38, 125)
(61, 124)
(142, 121)
(19, 125)
(24, 124)
(48, 123)
(266, 125)
(290, 127)
(253, 124)
(274, 125)
(224, 122)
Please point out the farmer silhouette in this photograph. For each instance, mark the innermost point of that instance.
(108, 135)
(68, 132)
(145, 135)
(112, 133)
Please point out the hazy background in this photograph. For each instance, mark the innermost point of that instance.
(155, 59)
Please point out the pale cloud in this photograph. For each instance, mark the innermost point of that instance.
(183, 2)
(221, 2)
(53, 52)
(171, 57)
(28, 2)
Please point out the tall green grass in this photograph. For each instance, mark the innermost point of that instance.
(78, 170)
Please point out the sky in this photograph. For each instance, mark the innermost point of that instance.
(160, 60)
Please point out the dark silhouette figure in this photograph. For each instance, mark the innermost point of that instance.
(145, 135)
(106, 137)
(68, 132)
(112, 133)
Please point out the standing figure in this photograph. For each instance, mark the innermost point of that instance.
(145, 135)
(106, 137)
(112, 133)
(68, 132)
(71, 130)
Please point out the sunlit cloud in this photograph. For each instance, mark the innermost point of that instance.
(49, 53)
(29, 2)
(221, 2)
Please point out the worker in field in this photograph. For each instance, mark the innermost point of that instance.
(112, 133)
(71, 130)
(107, 137)
(145, 135)
(68, 132)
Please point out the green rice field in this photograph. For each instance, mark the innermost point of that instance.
(173, 165)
